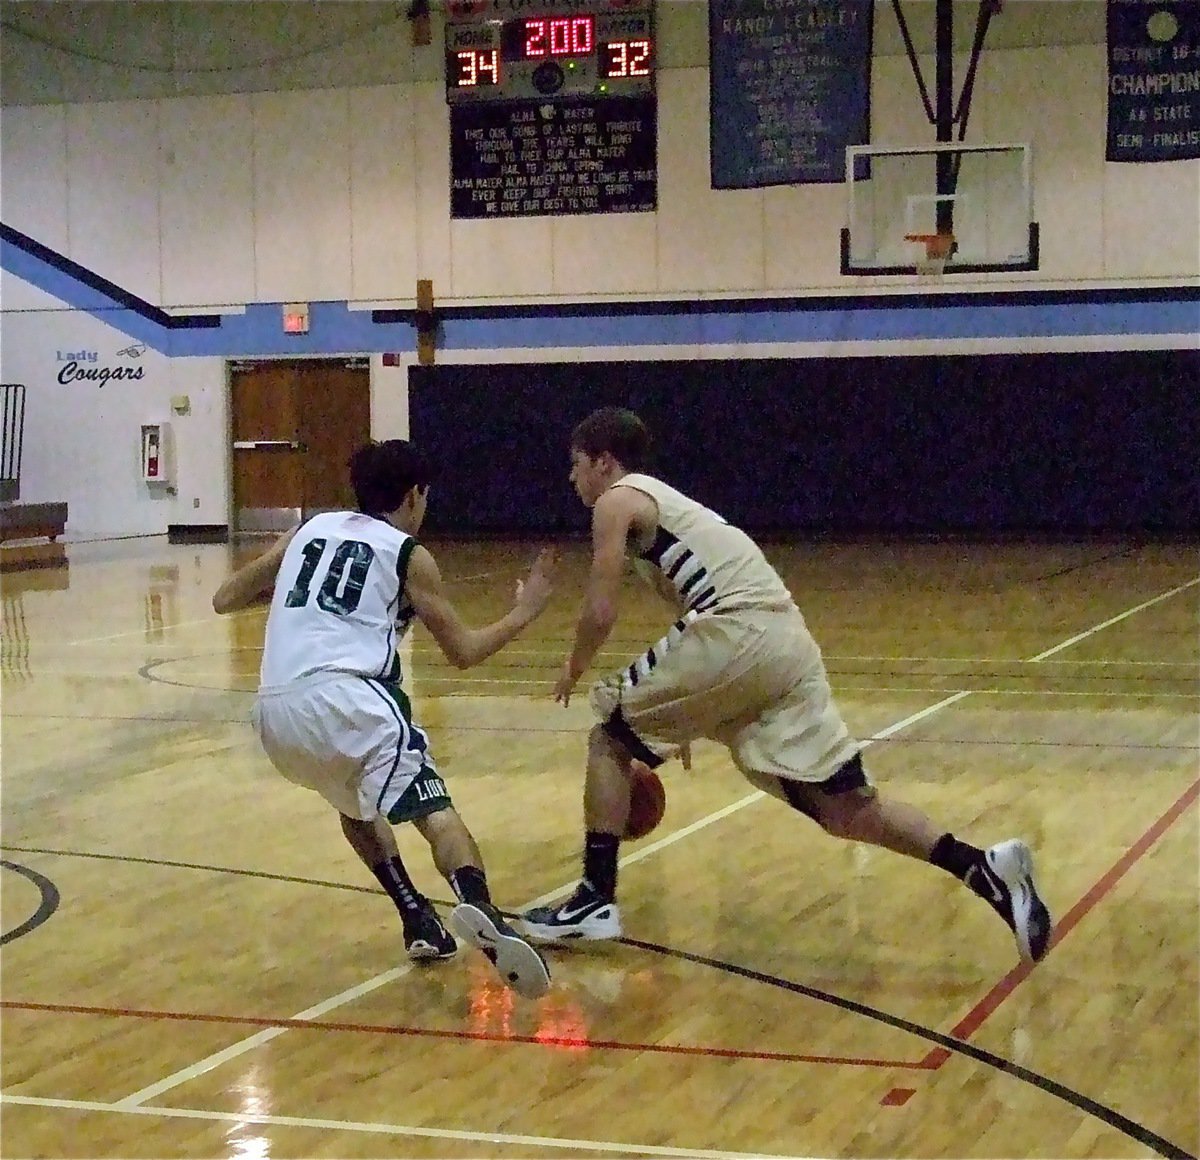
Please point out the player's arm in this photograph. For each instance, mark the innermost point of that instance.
(253, 578)
(654, 579)
(463, 645)
(613, 516)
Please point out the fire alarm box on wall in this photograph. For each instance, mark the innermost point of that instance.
(157, 464)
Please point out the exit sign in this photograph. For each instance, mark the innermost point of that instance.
(295, 318)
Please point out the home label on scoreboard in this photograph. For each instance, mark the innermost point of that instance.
(525, 158)
(506, 50)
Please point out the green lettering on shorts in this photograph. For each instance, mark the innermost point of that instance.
(425, 795)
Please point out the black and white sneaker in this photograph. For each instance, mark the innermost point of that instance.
(583, 916)
(1005, 879)
(520, 966)
(426, 939)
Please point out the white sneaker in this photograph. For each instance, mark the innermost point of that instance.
(581, 917)
(519, 964)
(1010, 874)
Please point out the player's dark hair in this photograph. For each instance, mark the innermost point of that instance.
(382, 474)
(618, 431)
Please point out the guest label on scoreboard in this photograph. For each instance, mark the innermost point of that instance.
(524, 158)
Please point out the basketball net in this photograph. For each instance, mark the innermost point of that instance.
(938, 248)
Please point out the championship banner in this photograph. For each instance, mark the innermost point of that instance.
(1153, 80)
(789, 89)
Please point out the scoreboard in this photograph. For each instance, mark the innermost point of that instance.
(553, 108)
(549, 51)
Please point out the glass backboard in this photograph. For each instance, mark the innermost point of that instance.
(900, 198)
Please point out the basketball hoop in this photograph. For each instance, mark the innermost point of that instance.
(938, 248)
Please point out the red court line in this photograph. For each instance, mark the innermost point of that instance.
(974, 1018)
(476, 1036)
(966, 1027)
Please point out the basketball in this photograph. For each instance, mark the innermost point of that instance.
(647, 801)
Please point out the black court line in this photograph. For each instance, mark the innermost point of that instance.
(187, 866)
(149, 672)
(1116, 554)
(1052, 1087)
(47, 902)
(141, 720)
(1086, 1104)
(891, 742)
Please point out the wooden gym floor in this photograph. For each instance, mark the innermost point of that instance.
(194, 964)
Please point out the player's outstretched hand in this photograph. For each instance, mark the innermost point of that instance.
(533, 593)
(565, 685)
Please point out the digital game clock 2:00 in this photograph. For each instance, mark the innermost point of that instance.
(548, 51)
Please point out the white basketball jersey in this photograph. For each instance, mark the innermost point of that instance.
(339, 604)
(701, 562)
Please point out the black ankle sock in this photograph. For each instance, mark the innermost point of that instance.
(956, 857)
(470, 885)
(395, 880)
(600, 863)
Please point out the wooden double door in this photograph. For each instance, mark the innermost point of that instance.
(295, 423)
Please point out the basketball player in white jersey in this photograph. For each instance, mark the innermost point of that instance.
(738, 666)
(331, 714)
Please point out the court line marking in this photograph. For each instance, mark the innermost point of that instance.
(423, 648)
(416, 684)
(395, 1130)
(990, 742)
(535, 652)
(975, 1017)
(1113, 620)
(948, 1044)
(960, 1046)
(1095, 694)
(204, 1065)
(215, 618)
(932, 1061)
(48, 901)
(259, 1038)
(540, 1040)
(208, 620)
(193, 1071)
(1014, 660)
(546, 682)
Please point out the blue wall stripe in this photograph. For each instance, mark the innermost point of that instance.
(846, 324)
(336, 329)
(97, 292)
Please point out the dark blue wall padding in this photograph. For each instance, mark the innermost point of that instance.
(1058, 443)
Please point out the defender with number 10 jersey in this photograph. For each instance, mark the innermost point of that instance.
(339, 603)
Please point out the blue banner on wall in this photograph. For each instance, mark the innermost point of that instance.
(789, 85)
(1153, 80)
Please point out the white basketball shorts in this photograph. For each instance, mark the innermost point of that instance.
(351, 739)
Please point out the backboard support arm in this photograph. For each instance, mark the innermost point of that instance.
(943, 112)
